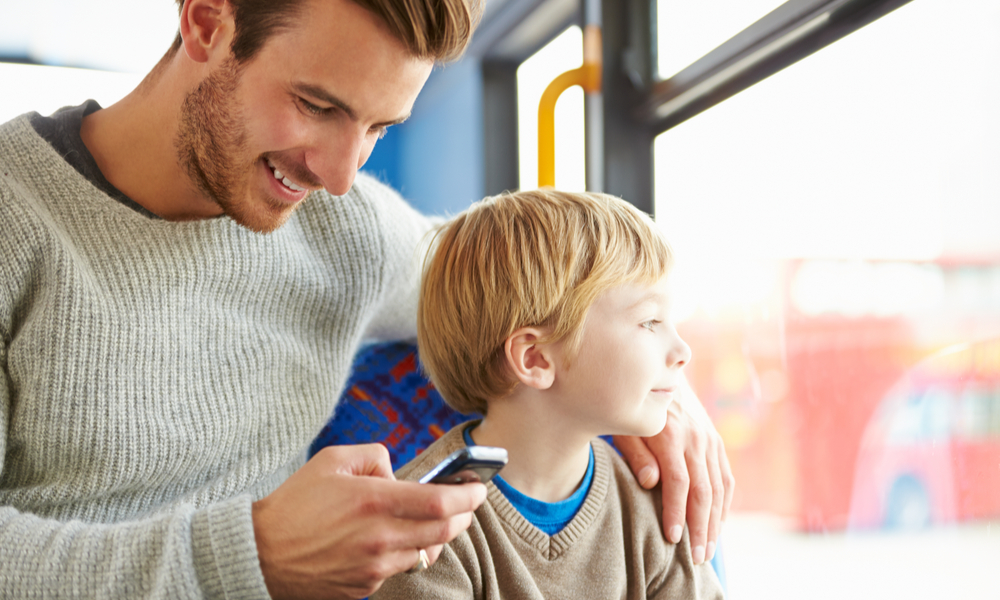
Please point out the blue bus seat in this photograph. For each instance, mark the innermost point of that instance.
(389, 400)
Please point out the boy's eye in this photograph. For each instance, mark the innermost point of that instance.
(380, 131)
(651, 324)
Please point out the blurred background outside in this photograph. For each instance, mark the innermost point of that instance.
(837, 227)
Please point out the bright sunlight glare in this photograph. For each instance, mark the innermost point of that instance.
(113, 35)
(848, 155)
(687, 30)
(46, 89)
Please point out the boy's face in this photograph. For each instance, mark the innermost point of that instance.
(628, 369)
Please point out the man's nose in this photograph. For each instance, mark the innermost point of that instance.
(336, 160)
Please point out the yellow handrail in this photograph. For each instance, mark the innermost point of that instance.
(587, 76)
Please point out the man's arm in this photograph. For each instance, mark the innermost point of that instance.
(151, 558)
(406, 237)
(326, 535)
(179, 553)
(688, 456)
(183, 553)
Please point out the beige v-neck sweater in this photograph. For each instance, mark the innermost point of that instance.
(612, 549)
(156, 377)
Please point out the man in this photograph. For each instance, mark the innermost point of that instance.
(166, 365)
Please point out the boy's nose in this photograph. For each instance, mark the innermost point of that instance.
(679, 354)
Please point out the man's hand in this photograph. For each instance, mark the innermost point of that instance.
(342, 524)
(689, 457)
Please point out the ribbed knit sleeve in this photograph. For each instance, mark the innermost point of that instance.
(149, 558)
(405, 237)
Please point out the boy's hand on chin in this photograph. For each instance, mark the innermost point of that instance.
(690, 459)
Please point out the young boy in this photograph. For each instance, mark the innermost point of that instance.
(549, 313)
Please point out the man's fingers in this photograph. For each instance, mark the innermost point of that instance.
(389, 545)
(434, 552)
(697, 482)
(407, 558)
(342, 523)
(699, 500)
(728, 481)
(427, 534)
(718, 496)
(371, 460)
(668, 447)
(432, 502)
(640, 459)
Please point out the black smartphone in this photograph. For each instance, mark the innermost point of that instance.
(473, 463)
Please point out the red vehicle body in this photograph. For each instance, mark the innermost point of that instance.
(930, 453)
(804, 403)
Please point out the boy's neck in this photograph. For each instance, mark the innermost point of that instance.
(546, 462)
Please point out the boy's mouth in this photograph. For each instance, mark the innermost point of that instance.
(665, 391)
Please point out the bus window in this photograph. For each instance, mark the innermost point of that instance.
(687, 30)
(905, 426)
(974, 412)
(835, 226)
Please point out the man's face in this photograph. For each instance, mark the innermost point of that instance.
(628, 369)
(308, 107)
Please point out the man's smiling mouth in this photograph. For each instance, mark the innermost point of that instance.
(288, 183)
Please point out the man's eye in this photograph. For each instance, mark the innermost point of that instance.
(312, 108)
(380, 131)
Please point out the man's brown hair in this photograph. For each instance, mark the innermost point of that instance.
(533, 258)
(431, 29)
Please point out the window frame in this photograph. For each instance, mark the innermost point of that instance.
(636, 105)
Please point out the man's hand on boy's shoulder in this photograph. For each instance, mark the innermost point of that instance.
(688, 456)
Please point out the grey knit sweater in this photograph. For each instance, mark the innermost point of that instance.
(157, 377)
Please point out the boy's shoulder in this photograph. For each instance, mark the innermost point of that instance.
(641, 507)
(624, 481)
(669, 568)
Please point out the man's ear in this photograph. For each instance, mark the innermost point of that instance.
(206, 26)
(531, 362)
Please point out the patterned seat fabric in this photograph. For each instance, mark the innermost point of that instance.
(389, 400)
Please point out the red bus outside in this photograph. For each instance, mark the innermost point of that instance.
(814, 403)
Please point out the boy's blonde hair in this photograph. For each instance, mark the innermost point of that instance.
(535, 258)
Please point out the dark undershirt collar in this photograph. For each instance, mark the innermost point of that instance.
(62, 131)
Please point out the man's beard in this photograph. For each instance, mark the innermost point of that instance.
(212, 147)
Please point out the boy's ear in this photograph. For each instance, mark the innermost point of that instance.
(531, 362)
(206, 26)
